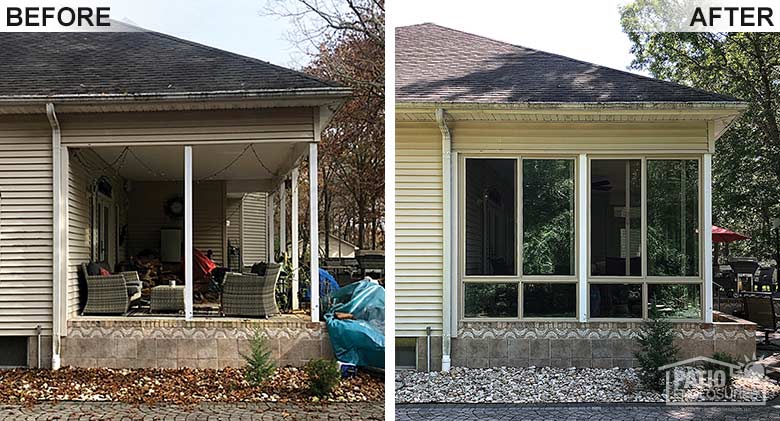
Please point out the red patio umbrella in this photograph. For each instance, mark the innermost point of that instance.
(722, 235)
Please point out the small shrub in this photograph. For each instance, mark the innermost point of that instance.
(324, 375)
(656, 349)
(726, 358)
(630, 386)
(259, 363)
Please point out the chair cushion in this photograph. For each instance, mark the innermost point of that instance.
(93, 269)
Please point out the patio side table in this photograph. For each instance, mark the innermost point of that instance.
(167, 298)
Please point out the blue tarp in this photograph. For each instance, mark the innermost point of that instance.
(360, 341)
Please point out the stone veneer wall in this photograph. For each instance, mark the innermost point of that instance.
(176, 343)
(572, 344)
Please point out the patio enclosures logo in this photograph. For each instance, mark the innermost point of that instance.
(704, 16)
(711, 382)
(57, 16)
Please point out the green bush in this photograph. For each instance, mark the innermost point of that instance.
(259, 363)
(656, 349)
(324, 375)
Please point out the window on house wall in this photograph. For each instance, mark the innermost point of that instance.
(675, 301)
(672, 218)
(494, 300)
(548, 217)
(616, 217)
(549, 300)
(490, 217)
(616, 301)
(405, 353)
(492, 283)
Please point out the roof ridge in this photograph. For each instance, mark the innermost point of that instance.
(600, 66)
(240, 56)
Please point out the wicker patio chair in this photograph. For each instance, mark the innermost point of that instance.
(107, 295)
(251, 295)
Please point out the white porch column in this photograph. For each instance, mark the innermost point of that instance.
(295, 237)
(270, 208)
(583, 186)
(188, 233)
(283, 217)
(314, 233)
(707, 243)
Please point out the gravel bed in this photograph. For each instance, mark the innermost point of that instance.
(536, 385)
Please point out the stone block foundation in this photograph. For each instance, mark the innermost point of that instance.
(573, 344)
(176, 343)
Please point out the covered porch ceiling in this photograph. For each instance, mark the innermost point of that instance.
(248, 167)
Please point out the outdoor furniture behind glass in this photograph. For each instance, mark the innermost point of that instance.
(760, 309)
(167, 298)
(251, 295)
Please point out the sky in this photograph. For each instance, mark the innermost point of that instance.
(585, 30)
(239, 26)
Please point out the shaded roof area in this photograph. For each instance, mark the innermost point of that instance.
(132, 63)
(438, 64)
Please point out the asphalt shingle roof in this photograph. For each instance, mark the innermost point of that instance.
(122, 63)
(438, 64)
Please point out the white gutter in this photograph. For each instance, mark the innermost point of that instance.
(56, 138)
(446, 149)
(536, 106)
(177, 96)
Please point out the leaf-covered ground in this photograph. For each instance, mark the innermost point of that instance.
(183, 386)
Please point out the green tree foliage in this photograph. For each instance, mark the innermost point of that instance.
(656, 349)
(746, 164)
(259, 362)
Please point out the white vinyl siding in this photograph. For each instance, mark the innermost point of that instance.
(119, 129)
(25, 225)
(253, 225)
(418, 229)
(570, 138)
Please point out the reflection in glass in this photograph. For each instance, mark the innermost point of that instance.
(549, 300)
(490, 300)
(616, 217)
(672, 218)
(490, 217)
(680, 301)
(548, 217)
(616, 301)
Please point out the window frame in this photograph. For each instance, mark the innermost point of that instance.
(646, 279)
(519, 278)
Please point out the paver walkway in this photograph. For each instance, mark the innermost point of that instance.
(210, 412)
(584, 412)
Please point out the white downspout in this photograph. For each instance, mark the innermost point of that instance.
(446, 169)
(57, 258)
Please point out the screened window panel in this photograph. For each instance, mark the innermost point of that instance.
(672, 218)
(491, 211)
(549, 300)
(548, 217)
(616, 301)
(616, 217)
(675, 301)
(490, 300)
